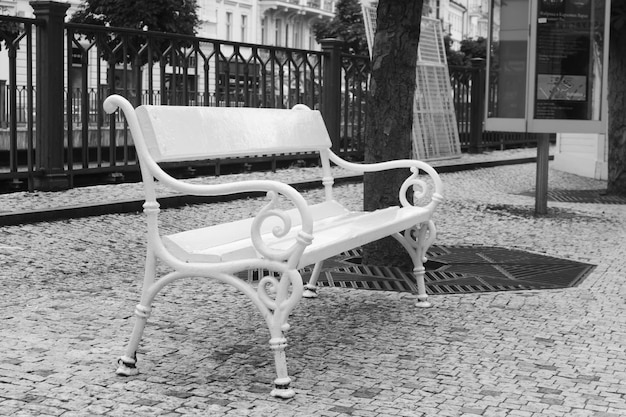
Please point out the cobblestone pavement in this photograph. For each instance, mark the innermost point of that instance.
(104, 193)
(69, 288)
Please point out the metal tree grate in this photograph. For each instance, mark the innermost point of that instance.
(458, 270)
(453, 270)
(581, 196)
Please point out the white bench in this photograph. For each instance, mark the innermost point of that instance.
(277, 240)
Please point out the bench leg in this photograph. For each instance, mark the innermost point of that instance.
(416, 241)
(426, 234)
(310, 288)
(128, 362)
(278, 297)
(422, 297)
(282, 381)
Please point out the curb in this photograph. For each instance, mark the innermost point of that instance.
(173, 201)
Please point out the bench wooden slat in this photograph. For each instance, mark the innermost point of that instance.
(221, 132)
(336, 230)
(231, 241)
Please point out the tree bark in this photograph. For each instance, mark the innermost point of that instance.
(617, 109)
(390, 114)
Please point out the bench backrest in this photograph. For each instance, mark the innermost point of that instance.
(178, 133)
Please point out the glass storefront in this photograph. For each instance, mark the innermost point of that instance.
(569, 45)
(508, 59)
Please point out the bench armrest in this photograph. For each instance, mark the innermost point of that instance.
(150, 169)
(274, 190)
(419, 186)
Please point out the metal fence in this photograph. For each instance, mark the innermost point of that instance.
(17, 102)
(146, 68)
(468, 86)
(157, 68)
(67, 140)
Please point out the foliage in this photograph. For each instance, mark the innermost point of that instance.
(9, 32)
(347, 25)
(454, 58)
(474, 48)
(173, 16)
(470, 48)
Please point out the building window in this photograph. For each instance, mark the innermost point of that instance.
(279, 32)
(287, 34)
(229, 26)
(264, 30)
(297, 35)
(238, 83)
(244, 28)
(179, 87)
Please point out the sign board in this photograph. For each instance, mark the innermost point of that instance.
(547, 67)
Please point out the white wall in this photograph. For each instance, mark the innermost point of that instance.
(582, 154)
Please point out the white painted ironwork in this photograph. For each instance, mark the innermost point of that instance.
(279, 240)
(435, 132)
(369, 18)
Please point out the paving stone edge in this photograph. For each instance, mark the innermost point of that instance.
(135, 205)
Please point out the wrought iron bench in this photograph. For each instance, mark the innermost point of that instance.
(279, 240)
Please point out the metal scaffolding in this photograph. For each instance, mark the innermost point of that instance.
(435, 132)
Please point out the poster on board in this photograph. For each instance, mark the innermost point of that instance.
(564, 60)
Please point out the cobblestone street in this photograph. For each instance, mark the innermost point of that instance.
(69, 288)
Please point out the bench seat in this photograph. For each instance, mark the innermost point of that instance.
(335, 228)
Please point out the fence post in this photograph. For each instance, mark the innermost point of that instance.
(3, 104)
(50, 150)
(478, 105)
(331, 89)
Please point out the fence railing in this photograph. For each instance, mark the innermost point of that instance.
(17, 103)
(158, 68)
(56, 135)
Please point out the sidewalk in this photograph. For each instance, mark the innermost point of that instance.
(24, 207)
(70, 287)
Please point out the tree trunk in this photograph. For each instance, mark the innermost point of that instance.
(617, 110)
(390, 114)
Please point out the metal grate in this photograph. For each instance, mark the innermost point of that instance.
(435, 132)
(458, 270)
(453, 270)
(581, 196)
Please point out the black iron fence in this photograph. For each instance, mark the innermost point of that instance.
(55, 134)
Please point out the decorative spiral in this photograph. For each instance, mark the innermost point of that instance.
(421, 237)
(430, 236)
(420, 188)
(274, 292)
(279, 231)
(412, 237)
(268, 284)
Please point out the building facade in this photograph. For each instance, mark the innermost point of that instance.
(283, 23)
(287, 23)
(461, 19)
